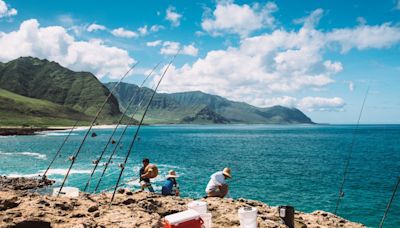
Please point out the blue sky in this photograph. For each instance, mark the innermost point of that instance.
(318, 56)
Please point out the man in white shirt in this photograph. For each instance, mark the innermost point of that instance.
(217, 186)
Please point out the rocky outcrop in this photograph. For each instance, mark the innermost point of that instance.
(23, 183)
(137, 209)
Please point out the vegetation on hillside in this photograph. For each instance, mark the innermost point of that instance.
(199, 107)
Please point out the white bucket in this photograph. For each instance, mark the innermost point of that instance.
(207, 219)
(248, 217)
(71, 192)
(198, 206)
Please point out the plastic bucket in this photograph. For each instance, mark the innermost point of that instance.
(248, 217)
(71, 192)
(207, 219)
(198, 206)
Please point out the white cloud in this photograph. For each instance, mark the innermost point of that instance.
(173, 16)
(94, 27)
(190, 50)
(121, 32)
(154, 43)
(229, 17)
(54, 43)
(171, 48)
(365, 37)
(311, 20)
(308, 104)
(277, 62)
(66, 19)
(143, 30)
(286, 101)
(156, 28)
(312, 104)
(6, 11)
(351, 85)
(361, 20)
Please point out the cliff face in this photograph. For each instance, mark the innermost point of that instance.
(18, 208)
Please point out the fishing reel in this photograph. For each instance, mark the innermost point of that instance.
(71, 158)
(121, 165)
(96, 161)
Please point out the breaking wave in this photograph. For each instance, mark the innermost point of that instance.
(30, 154)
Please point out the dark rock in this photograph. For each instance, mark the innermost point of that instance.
(78, 215)
(96, 215)
(121, 191)
(93, 208)
(32, 224)
(128, 201)
(63, 206)
(129, 193)
(6, 204)
(44, 202)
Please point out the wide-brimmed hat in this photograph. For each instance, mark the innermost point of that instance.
(227, 172)
(172, 174)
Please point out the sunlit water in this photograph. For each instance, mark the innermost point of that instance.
(279, 165)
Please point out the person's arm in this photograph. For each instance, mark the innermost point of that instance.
(147, 174)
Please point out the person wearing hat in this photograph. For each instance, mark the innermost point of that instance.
(170, 186)
(217, 186)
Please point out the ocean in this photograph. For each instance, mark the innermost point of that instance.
(298, 165)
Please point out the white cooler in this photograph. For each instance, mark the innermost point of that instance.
(71, 192)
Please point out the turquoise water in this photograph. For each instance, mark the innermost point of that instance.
(296, 165)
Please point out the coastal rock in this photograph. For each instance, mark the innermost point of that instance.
(141, 209)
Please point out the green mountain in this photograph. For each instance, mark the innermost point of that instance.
(17, 110)
(41, 79)
(199, 107)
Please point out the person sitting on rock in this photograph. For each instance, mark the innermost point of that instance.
(217, 186)
(170, 186)
(146, 172)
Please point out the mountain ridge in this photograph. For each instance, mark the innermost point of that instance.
(42, 79)
(200, 107)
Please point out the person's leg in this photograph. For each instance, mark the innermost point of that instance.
(142, 185)
(151, 189)
(223, 190)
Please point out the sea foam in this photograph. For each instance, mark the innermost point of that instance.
(30, 154)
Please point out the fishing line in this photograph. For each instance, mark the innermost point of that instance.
(59, 150)
(73, 158)
(96, 162)
(138, 128)
(390, 203)
(119, 142)
(341, 193)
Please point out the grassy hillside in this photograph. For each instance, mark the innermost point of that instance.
(199, 107)
(17, 110)
(41, 79)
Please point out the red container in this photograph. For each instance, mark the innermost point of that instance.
(185, 219)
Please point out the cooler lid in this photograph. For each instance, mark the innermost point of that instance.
(181, 217)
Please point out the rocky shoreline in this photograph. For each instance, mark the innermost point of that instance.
(8, 131)
(22, 207)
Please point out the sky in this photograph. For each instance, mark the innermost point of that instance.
(318, 56)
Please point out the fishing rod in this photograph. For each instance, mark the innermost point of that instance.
(341, 193)
(96, 162)
(138, 128)
(73, 158)
(390, 203)
(59, 150)
(118, 143)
